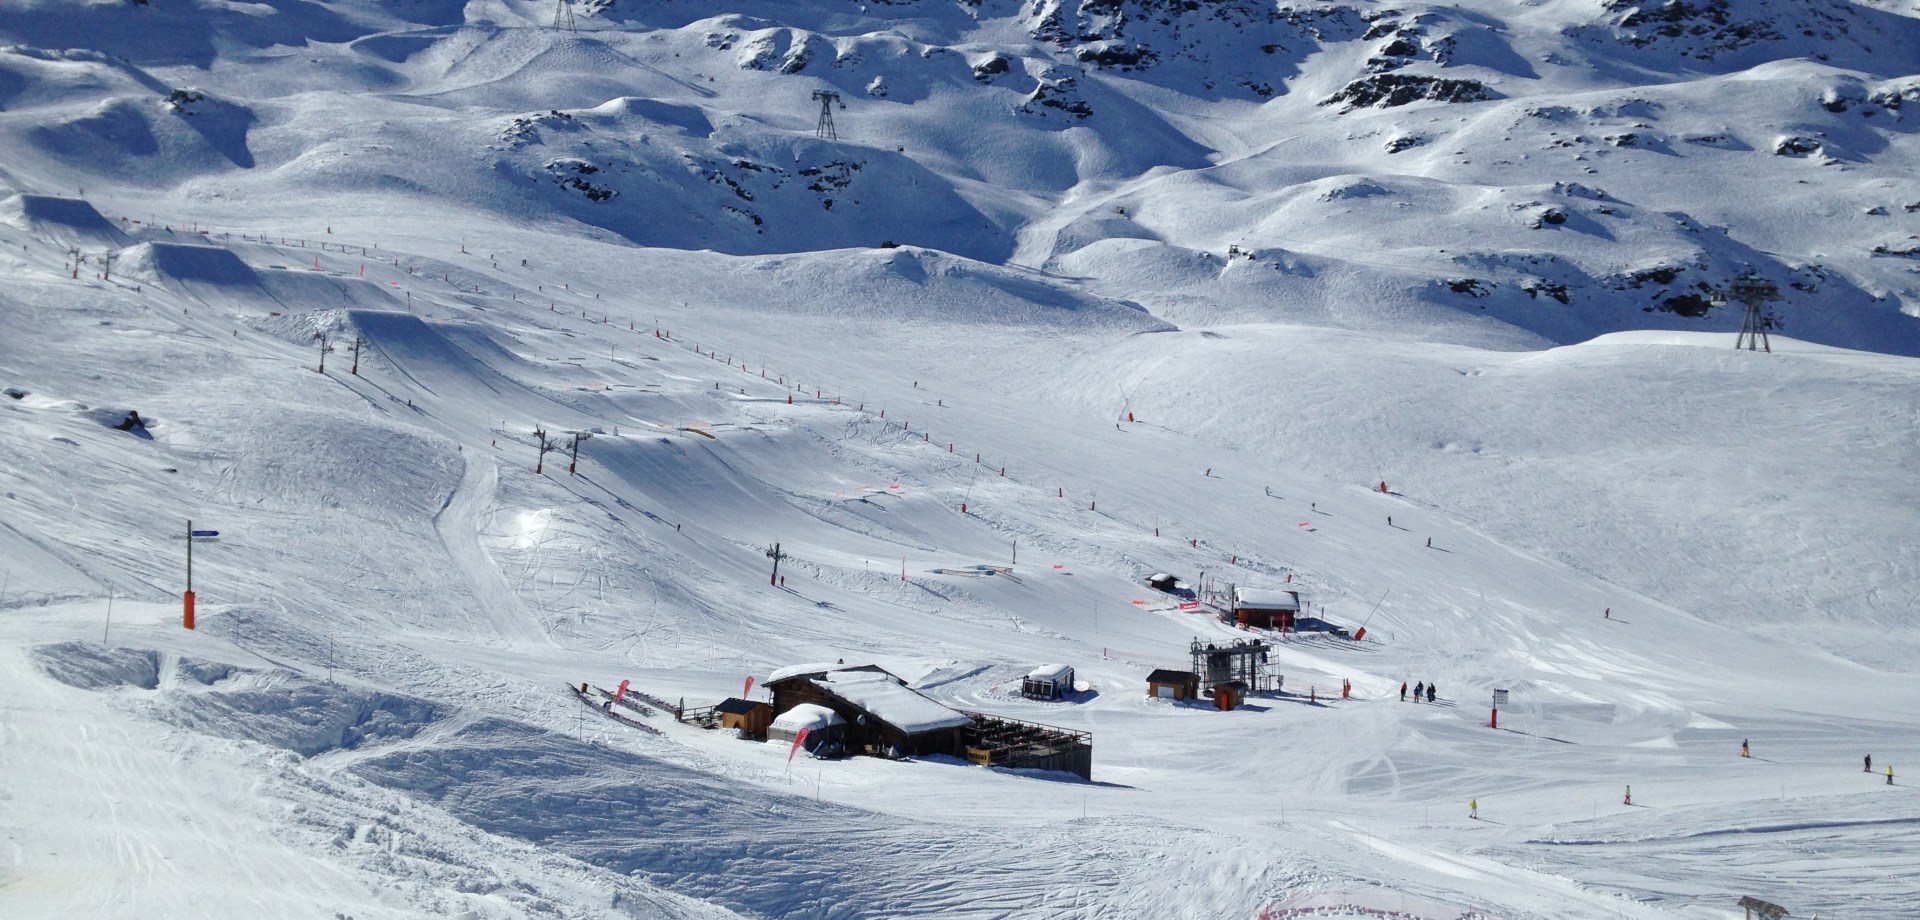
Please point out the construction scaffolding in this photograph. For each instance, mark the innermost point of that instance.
(1244, 661)
(994, 741)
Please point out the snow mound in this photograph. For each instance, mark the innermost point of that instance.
(69, 221)
(188, 262)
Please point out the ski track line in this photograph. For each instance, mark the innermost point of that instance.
(458, 524)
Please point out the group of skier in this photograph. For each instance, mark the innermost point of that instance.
(1425, 688)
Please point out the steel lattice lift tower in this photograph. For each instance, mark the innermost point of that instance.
(563, 15)
(1753, 292)
(827, 99)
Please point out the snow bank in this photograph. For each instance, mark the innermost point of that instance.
(90, 666)
(300, 715)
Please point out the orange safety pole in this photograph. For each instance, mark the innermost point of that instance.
(186, 613)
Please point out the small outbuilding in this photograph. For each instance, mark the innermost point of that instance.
(750, 717)
(1047, 682)
(824, 727)
(1228, 695)
(1161, 581)
(1168, 684)
(1273, 609)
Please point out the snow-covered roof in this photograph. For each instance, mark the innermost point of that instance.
(795, 670)
(892, 702)
(1160, 576)
(803, 670)
(809, 716)
(1052, 672)
(1268, 600)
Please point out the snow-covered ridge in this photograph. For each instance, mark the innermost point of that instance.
(1726, 134)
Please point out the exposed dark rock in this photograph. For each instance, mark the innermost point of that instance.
(1690, 305)
(1553, 289)
(1404, 142)
(991, 67)
(1388, 90)
(1472, 287)
(1795, 146)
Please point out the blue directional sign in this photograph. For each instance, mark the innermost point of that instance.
(205, 536)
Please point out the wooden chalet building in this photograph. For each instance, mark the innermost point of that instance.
(883, 715)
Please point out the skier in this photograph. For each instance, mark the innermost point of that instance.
(1418, 689)
(1432, 691)
(1607, 614)
(1389, 520)
(1744, 752)
(1403, 698)
(1429, 542)
(1473, 809)
(1629, 799)
(1868, 768)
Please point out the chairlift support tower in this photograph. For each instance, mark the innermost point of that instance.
(827, 99)
(563, 15)
(1754, 293)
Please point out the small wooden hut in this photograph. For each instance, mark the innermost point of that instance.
(750, 717)
(1168, 684)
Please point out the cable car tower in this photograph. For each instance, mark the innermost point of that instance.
(1753, 292)
(563, 15)
(827, 99)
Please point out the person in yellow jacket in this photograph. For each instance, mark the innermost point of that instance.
(1473, 808)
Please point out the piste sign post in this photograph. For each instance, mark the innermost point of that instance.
(193, 536)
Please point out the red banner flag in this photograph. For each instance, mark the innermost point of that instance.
(797, 741)
(749, 689)
(622, 691)
(1189, 605)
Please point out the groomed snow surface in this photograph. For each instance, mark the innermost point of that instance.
(971, 456)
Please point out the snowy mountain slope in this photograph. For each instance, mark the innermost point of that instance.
(1058, 371)
(1613, 145)
(648, 566)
